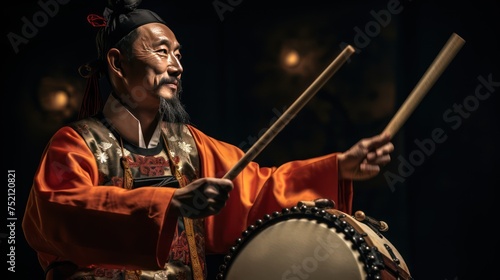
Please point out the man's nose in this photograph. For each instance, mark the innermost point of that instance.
(174, 70)
(174, 67)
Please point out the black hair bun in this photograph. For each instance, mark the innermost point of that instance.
(123, 6)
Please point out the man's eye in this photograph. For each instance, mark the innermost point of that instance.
(179, 56)
(165, 51)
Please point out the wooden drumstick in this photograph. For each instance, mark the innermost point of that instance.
(437, 67)
(290, 113)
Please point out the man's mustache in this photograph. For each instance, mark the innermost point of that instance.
(172, 80)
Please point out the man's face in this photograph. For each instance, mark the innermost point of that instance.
(154, 70)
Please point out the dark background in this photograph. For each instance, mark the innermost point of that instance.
(439, 202)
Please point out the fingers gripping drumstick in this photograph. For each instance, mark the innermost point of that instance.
(437, 67)
(283, 120)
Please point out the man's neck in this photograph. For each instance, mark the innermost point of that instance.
(139, 128)
(148, 123)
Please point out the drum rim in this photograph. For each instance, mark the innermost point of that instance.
(373, 260)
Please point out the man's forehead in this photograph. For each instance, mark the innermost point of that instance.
(158, 34)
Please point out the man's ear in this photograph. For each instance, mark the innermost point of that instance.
(115, 60)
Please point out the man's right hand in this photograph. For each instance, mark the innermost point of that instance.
(202, 197)
(365, 159)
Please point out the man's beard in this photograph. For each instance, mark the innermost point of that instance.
(172, 110)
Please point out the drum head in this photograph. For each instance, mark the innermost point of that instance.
(301, 243)
(297, 249)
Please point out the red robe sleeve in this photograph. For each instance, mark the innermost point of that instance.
(68, 215)
(263, 190)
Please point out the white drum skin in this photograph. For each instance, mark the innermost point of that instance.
(311, 243)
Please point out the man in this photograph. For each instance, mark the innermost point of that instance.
(133, 191)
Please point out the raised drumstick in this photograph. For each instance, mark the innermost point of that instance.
(435, 70)
(290, 113)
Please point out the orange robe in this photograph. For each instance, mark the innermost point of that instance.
(69, 217)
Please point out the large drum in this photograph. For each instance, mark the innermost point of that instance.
(310, 242)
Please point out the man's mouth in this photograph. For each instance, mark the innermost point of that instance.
(172, 85)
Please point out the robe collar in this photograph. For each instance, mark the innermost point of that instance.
(127, 125)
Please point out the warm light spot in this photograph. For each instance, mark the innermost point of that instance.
(55, 100)
(291, 58)
(59, 100)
